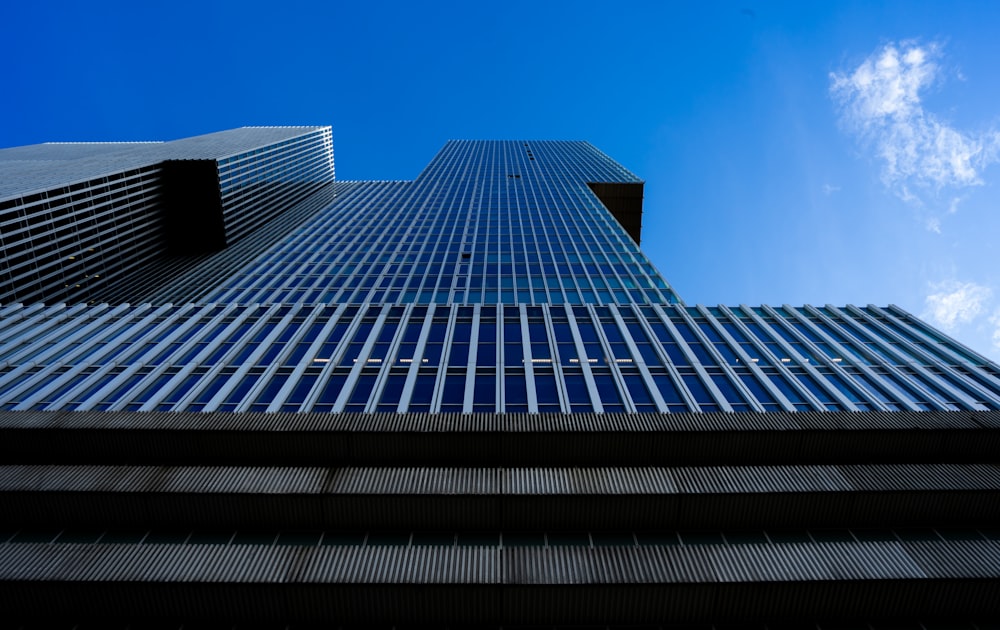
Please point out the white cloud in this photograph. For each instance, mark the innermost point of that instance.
(880, 100)
(953, 302)
(934, 225)
(953, 206)
(829, 189)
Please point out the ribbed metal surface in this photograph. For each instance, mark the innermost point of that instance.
(922, 477)
(590, 481)
(155, 479)
(147, 563)
(492, 481)
(70, 162)
(402, 565)
(248, 564)
(611, 423)
(484, 439)
(769, 479)
(451, 499)
(433, 481)
(966, 559)
(125, 241)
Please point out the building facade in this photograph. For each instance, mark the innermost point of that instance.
(81, 221)
(464, 399)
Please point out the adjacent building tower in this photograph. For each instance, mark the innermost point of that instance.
(235, 391)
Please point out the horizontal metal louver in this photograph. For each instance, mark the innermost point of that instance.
(247, 564)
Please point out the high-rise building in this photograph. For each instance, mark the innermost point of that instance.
(236, 391)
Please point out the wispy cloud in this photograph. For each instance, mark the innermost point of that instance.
(829, 189)
(953, 205)
(880, 101)
(953, 302)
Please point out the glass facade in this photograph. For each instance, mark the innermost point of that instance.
(547, 358)
(486, 222)
(497, 281)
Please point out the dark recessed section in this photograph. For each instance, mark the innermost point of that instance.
(193, 207)
(625, 203)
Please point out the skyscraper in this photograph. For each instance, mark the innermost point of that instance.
(235, 390)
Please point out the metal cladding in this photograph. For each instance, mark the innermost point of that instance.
(82, 221)
(520, 584)
(463, 400)
(551, 358)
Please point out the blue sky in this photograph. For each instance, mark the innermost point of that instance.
(793, 152)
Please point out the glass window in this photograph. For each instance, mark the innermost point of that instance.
(637, 391)
(515, 393)
(730, 393)
(576, 389)
(484, 394)
(546, 391)
(610, 397)
(391, 392)
(423, 393)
